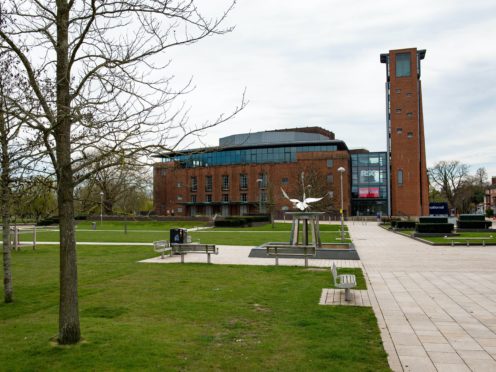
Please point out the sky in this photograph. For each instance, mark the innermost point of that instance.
(316, 63)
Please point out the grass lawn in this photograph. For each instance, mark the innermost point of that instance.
(460, 239)
(183, 317)
(147, 232)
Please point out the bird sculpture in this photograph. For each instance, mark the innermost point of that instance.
(304, 203)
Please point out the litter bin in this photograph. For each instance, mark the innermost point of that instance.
(93, 225)
(178, 236)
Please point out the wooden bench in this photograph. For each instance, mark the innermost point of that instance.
(344, 281)
(162, 246)
(185, 248)
(304, 251)
(468, 239)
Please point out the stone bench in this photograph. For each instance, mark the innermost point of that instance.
(304, 251)
(344, 281)
(184, 248)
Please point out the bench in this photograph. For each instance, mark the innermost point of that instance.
(185, 248)
(304, 251)
(344, 281)
(468, 239)
(162, 246)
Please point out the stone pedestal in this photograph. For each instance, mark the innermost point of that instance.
(306, 219)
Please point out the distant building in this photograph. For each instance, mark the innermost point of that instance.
(409, 185)
(244, 174)
(490, 196)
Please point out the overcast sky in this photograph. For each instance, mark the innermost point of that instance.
(316, 63)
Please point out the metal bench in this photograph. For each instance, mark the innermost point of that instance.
(304, 251)
(468, 239)
(185, 248)
(162, 246)
(344, 281)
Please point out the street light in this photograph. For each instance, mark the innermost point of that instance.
(341, 170)
(101, 207)
(260, 182)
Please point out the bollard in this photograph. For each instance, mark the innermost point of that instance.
(93, 225)
(125, 228)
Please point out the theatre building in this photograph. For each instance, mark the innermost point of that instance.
(244, 174)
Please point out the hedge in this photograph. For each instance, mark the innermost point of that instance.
(472, 217)
(474, 224)
(237, 221)
(433, 219)
(403, 224)
(434, 227)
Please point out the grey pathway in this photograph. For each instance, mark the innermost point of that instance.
(436, 304)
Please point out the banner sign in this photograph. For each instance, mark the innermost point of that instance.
(438, 209)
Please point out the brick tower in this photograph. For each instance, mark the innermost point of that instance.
(408, 183)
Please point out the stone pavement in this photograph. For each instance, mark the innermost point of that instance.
(436, 306)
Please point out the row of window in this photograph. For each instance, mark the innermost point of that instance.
(285, 154)
(243, 198)
(225, 182)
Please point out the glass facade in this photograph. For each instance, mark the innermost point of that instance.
(282, 154)
(369, 184)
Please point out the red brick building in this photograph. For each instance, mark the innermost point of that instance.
(244, 175)
(409, 185)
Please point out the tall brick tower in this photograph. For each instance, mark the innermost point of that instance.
(408, 183)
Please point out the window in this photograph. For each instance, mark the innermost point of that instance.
(225, 198)
(194, 183)
(193, 198)
(399, 130)
(398, 111)
(179, 185)
(330, 163)
(400, 177)
(398, 90)
(208, 183)
(180, 209)
(208, 198)
(409, 94)
(243, 181)
(403, 64)
(179, 197)
(284, 181)
(330, 178)
(162, 171)
(225, 182)
(410, 135)
(262, 180)
(243, 198)
(409, 115)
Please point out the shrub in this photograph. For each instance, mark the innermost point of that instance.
(434, 228)
(471, 217)
(238, 221)
(52, 220)
(433, 219)
(474, 224)
(408, 225)
(489, 213)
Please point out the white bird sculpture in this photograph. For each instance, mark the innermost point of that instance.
(301, 204)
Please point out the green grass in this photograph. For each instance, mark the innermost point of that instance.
(188, 317)
(140, 232)
(460, 239)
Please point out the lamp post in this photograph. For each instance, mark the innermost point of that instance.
(341, 170)
(259, 181)
(101, 207)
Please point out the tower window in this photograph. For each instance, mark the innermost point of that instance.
(399, 130)
(403, 64)
(400, 177)
(330, 163)
(398, 91)
(409, 115)
(410, 135)
(398, 111)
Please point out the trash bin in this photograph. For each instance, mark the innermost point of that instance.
(93, 225)
(178, 236)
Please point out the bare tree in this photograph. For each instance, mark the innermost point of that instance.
(103, 71)
(449, 177)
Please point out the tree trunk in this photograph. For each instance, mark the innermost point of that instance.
(69, 328)
(7, 271)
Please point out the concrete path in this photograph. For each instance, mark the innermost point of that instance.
(436, 306)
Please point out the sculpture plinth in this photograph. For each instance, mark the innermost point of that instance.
(305, 218)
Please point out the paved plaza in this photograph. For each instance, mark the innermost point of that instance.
(435, 306)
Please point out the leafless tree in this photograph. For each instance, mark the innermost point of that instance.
(449, 177)
(101, 86)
